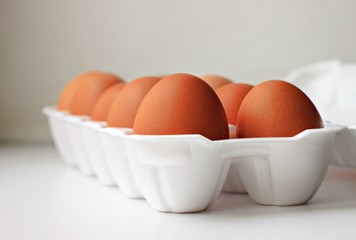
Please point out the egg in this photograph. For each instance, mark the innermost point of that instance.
(89, 90)
(123, 110)
(69, 90)
(102, 105)
(182, 104)
(231, 96)
(215, 81)
(276, 108)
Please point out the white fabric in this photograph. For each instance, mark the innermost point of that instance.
(331, 85)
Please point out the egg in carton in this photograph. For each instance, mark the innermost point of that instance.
(139, 174)
(183, 173)
(57, 116)
(231, 96)
(91, 137)
(186, 173)
(120, 119)
(80, 128)
(75, 107)
(89, 141)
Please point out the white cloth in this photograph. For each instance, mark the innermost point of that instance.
(331, 85)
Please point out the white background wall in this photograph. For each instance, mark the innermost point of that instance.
(44, 43)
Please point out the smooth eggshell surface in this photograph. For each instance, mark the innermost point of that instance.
(215, 81)
(102, 106)
(182, 104)
(89, 91)
(123, 110)
(67, 94)
(231, 96)
(276, 108)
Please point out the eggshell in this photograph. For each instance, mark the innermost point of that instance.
(70, 89)
(89, 91)
(124, 107)
(231, 96)
(276, 108)
(182, 104)
(215, 81)
(102, 106)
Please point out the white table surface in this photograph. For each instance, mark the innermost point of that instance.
(41, 198)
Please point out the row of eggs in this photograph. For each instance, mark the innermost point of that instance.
(185, 104)
(155, 138)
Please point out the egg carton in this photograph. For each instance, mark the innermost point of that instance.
(94, 151)
(118, 160)
(344, 151)
(186, 173)
(233, 182)
(57, 123)
(94, 148)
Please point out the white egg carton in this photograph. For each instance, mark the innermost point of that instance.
(117, 157)
(233, 182)
(186, 173)
(57, 124)
(75, 138)
(94, 149)
(344, 152)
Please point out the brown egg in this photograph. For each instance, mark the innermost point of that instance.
(231, 96)
(69, 90)
(123, 110)
(89, 91)
(182, 104)
(102, 106)
(276, 108)
(215, 81)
